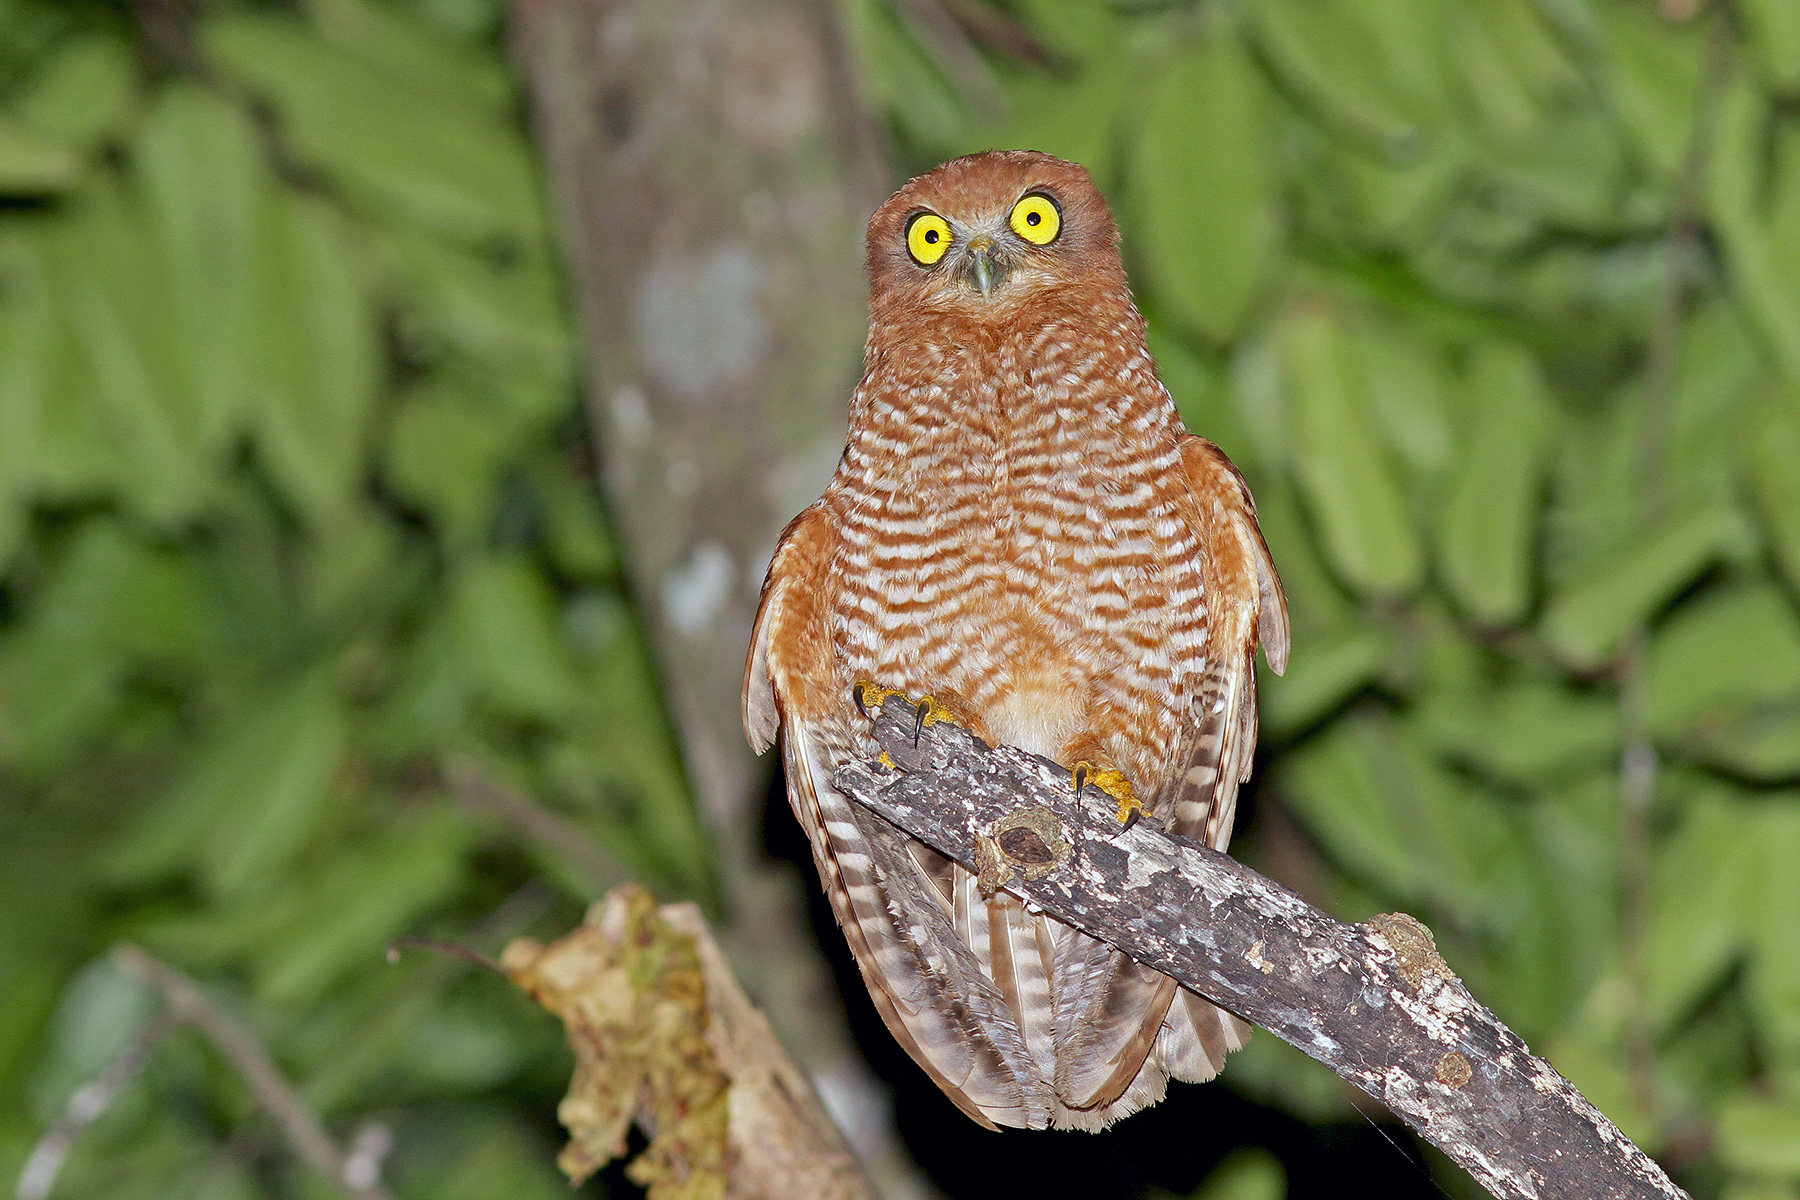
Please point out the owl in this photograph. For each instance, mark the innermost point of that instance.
(1022, 537)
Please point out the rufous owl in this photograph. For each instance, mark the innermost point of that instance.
(1022, 537)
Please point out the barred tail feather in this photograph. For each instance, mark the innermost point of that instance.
(927, 986)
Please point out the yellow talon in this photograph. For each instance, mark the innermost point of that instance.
(887, 762)
(1114, 784)
(931, 712)
(869, 697)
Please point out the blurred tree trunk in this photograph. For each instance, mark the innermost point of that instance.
(713, 171)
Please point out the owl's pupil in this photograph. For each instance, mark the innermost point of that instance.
(1034, 218)
(931, 236)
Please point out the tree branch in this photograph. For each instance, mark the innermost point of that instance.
(87, 1105)
(299, 1123)
(1374, 1002)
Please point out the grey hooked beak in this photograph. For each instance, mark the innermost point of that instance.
(982, 267)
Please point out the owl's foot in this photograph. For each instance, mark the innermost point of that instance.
(869, 697)
(1114, 784)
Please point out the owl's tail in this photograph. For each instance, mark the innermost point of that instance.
(1196, 1036)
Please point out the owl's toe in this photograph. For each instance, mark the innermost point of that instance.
(928, 709)
(1114, 784)
(868, 695)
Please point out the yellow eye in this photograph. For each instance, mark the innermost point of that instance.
(927, 237)
(1036, 219)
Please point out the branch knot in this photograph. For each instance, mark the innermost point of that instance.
(1028, 843)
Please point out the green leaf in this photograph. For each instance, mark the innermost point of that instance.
(367, 896)
(1401, 199)
(411, 52)
(1601, 1072)
(1332, 668)
(32, 165)
(65, 449)
(102, 1009)
(1758, 1189)
(108, 604)
(1701, 897)
(1760, 1134)
(449, 161)
(1571, 171)
(508, 641)
(1206, 185)
(1587, 620)
(1728, 652)
(250, 800)
(207, 192)
(1758, 220)
(1409, 386)
(1772, 30)
(1773, 979)
(359, 564)
(467, 1155)
(1350, 490)
(1202, 393)
(315, 361)
(568, 507)
(1764, 744)
(1391, 815)
(1245, 1175)
(29, 345)
(444, 454)
(424, 707)
(622, 754)
(1574, 829)
(85, 94)
(1526, 732)
(112, 290)
(1772, 454)
(1654, 68)
(1073, 112)
(28, 994)
(1488, 523)
(503, 311)
(1358, 76)
(1509, 66)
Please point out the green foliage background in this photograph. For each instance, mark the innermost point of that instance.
(1497, 303)
(298, 528)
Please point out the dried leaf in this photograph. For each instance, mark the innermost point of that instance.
(630, 990)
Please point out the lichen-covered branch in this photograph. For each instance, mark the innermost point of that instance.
(1373, 1002)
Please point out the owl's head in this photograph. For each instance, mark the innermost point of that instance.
(983, 235)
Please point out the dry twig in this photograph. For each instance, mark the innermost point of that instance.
(300, 1125)
(87, 1105)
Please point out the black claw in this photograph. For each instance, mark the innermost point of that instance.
(1081, 778)
(856, 694)
(1133, 818)
(924, 706)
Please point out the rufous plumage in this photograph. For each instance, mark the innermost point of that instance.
(1022, 530)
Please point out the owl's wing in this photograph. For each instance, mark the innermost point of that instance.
(1245, 604)
(925, 983)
